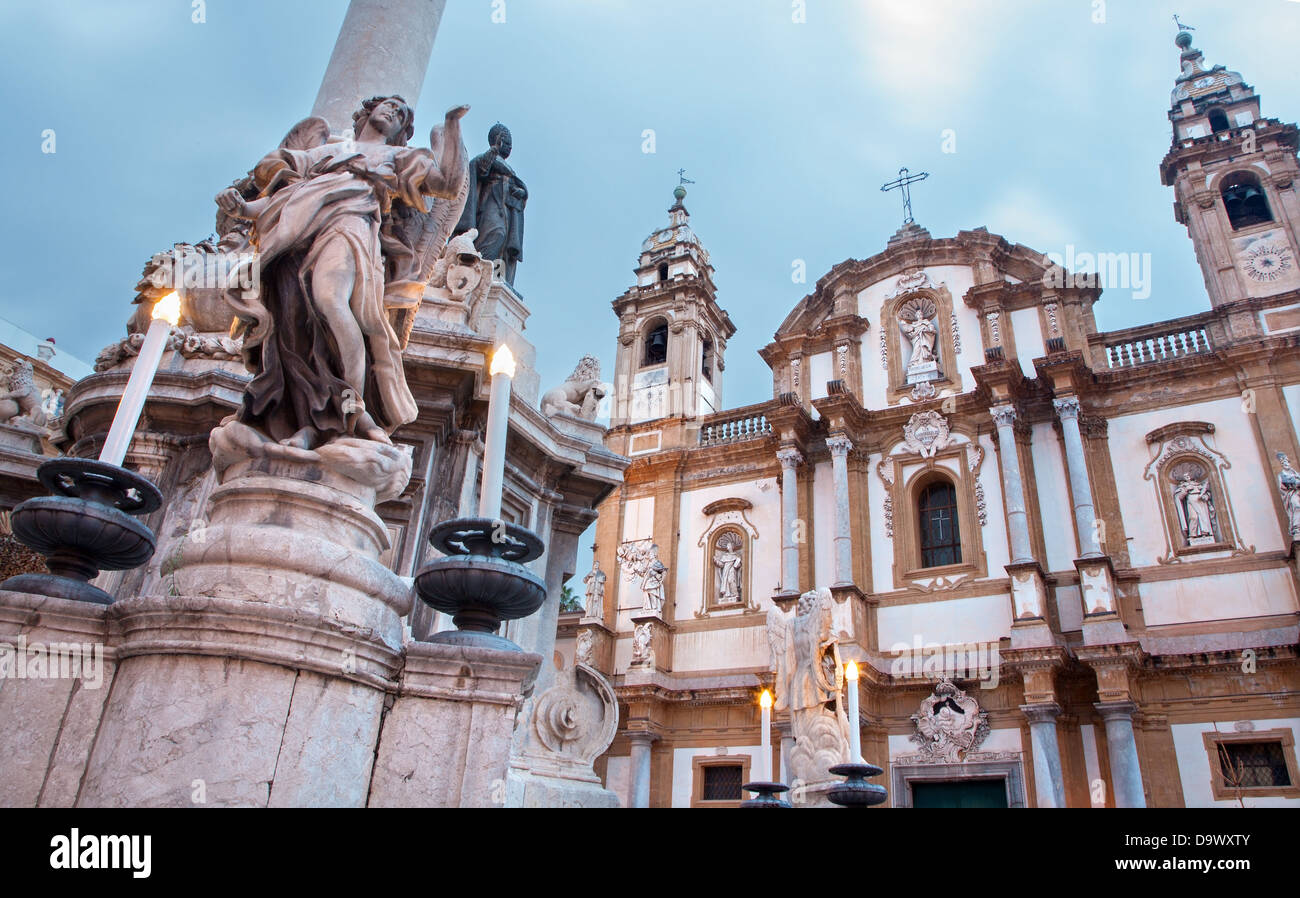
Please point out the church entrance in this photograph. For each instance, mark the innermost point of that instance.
(960, 794)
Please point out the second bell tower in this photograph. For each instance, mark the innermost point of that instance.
(672, 333)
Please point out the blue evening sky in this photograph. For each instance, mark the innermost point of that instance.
(788, 129)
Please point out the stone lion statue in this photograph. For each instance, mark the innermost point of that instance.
(22, 399)
(580, 394)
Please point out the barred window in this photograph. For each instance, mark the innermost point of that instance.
(722, 782)
(1253, 765)
(940, 533)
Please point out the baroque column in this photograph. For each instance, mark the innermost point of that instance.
(383, 48)
(641, 768)
(1085, 517)
(1004, 417)
(1125, 772)
(1047, 754)
(789, 459)
(840, 446)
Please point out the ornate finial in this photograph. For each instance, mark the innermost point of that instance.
(1184, 38)
(679, 192)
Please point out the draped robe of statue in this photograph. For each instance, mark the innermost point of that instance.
(495, 212)
(319, 197)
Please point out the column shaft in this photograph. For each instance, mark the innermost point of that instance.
(1047, 754)
(840, 447)
(1121, 745)
(1012, 487)
(789, 458)
(641, 769)
(382, 49)
(1080, 484)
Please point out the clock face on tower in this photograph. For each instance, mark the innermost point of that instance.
(1267, 262)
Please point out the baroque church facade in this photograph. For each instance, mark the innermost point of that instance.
(1063, 558)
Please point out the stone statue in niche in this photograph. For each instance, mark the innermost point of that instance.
(495, 205)
(580, 395)
(1288, 481)
(347, 241)
(595, 581)
(949, 724)
(916, 320)
(22, 399)
(809, 683)
(1194, 502)
(727, 560)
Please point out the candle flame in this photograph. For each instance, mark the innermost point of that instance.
(851, 670)
(765, 699)
(168, 308)
(503, 362)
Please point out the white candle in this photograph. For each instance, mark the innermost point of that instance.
(166, 312)
(855, 732)
(494, 442)
(765, 752)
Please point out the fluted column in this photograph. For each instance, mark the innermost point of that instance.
(1067, 409)
(1004, 417)
(641, 768)
(1047, 753)
(789, 459)
(840, 446)
(1121, 746)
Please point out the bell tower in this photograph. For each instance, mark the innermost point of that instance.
(672, 333)
(1233, 175)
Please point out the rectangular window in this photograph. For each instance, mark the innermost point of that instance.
(722, 782)
(1254, 765)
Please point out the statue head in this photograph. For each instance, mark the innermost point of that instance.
(588, 369)
(499, 140)
(390, 116)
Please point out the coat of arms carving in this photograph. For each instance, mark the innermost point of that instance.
(926, 433)
(949, 724)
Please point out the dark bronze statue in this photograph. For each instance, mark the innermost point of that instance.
(495, 205)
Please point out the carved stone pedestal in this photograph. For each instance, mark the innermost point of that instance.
(1028, 592)
(298, 530)
(595, 644)
(1101, 621)
(651, 643)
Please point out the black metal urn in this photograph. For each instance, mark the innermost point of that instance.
(482, 580)
(88, 524)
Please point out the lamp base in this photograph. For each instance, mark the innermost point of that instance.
(855, 791)
(767, 795)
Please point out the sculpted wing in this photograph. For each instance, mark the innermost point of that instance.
(426, 231)
(312, 131)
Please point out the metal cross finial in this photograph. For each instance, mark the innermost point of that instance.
(901, 183)
(681, 177)
(1181, 26)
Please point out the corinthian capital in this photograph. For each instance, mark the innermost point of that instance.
(839, 445)
(789, 458)
(1004, 415)
(1067, 407)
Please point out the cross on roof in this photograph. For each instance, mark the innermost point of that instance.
(902, 182)
(681, 177)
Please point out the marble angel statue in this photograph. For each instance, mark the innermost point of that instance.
(809, 682)
(346, 239)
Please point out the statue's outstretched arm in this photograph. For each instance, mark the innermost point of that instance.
(445, 176)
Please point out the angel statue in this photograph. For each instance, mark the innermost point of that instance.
(346, 239)
(805, 656)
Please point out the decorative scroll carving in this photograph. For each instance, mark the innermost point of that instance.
(885, 471)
